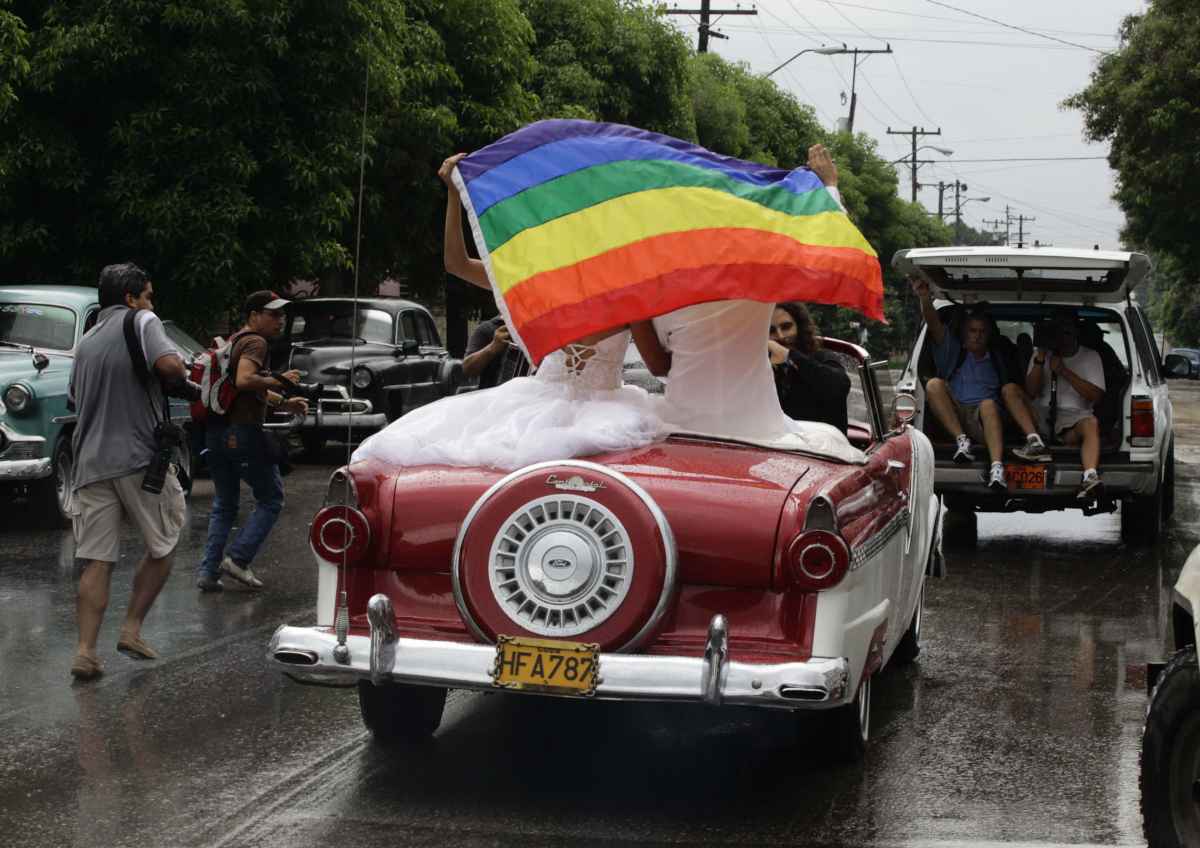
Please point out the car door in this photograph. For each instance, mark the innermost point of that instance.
(1155, 382)
(421, 368)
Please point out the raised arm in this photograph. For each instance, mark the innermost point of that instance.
(656, 357)
(454, 249)
(937, 330)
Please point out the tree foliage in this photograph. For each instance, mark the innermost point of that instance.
(219, 143)
(1144, 100)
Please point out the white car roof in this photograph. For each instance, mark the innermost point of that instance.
(1031, 274)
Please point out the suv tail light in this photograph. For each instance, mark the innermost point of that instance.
(340, 535)
(817, 560)
(1141, 423)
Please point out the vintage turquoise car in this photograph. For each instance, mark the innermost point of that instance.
(40, 327)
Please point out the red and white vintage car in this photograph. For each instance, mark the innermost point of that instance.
(693, 569)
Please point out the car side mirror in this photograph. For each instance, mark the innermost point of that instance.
(1177, 366)
(904, 409)
(40, 361)
(408, 346)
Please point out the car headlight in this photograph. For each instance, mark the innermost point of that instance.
(362, 377)
(17, 398)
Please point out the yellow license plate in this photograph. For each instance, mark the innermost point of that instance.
(1025, 476)
(546, 665)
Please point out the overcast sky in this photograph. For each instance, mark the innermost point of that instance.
(993, 91)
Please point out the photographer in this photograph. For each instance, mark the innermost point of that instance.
(239, 448)
(491, 356)
(1066, 381)
(116, 442)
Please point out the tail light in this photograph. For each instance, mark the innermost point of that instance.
(1141, 423)
(340, 535)
(818, 560)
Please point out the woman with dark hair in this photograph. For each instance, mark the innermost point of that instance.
(811, 382)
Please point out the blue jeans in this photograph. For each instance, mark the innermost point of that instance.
(235, 453)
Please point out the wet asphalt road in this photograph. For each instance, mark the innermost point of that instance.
(1020, 723)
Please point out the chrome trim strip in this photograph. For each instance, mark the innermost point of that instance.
(863, 552)
(65, 419)
(25, 469)
(660, 518)
(630, 677)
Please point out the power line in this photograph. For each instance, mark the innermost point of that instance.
(950, 41)
(1032, 159)
(851, 22)
(952, 20)
(1018, 28)
(908, 88)
(884, 101)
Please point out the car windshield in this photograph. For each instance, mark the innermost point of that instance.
(35, 324)
(184, 343)
(336, 321)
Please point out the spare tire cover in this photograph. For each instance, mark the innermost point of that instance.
(568, 550)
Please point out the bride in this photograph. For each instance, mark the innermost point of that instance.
(574, 404)
(714, 356)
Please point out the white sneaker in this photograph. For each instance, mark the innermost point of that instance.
(963, 454)
(1034, 450)
(242, 575)
(1090, 487)
(996, 479)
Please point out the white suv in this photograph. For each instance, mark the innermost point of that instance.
(1023, 288)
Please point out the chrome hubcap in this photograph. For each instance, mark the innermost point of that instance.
(559, 566)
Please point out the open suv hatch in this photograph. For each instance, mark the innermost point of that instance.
(1025, 286)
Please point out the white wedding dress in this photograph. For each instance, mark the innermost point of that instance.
(573, 406)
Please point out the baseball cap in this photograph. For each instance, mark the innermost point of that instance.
(264, 299)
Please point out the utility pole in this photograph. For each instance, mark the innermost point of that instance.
(854, 95)
(1021, 219)
(706, 12)
(995, 224)
(958, 211)
(915, 132)
(942, 188)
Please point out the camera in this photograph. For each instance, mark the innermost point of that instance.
(168, 436)
(309, 391)
(1045, 336)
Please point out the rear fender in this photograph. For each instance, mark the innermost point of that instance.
(1187, 602)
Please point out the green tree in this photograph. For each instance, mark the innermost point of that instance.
(1144, 99)
(610, 60)
(216, 144)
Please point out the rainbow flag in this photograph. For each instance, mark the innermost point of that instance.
(585, 226)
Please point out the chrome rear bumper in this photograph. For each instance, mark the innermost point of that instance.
(307, 654)
(25, 469)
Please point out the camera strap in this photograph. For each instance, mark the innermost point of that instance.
(1053, 409)
(137, 355)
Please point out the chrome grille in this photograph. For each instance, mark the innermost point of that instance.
(20, 450)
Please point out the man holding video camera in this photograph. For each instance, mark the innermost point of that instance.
(124, 449)
(1066, 381)
(239, 448)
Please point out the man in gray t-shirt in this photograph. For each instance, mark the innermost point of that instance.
(113, 444)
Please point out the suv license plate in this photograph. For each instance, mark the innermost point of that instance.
(546, 665)
(1025, 476)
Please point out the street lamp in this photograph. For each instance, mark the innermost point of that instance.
(958, 205)
(916, 163)
(824, 51)
(945, 151)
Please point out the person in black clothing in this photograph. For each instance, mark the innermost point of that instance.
(490, 355)
(812, 384)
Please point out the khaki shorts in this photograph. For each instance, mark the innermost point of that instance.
(969, 418)
(97, 509)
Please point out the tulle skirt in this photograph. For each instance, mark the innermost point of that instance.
(520, 422)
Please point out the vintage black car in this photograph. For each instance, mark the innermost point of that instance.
(373, 368)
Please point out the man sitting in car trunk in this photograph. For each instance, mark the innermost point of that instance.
(1066, 381)
(973, 379)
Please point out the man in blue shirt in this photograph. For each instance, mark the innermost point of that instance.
(972, 382)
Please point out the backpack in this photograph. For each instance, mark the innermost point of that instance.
(212, 370)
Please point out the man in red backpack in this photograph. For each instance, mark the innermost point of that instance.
(238, 448)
